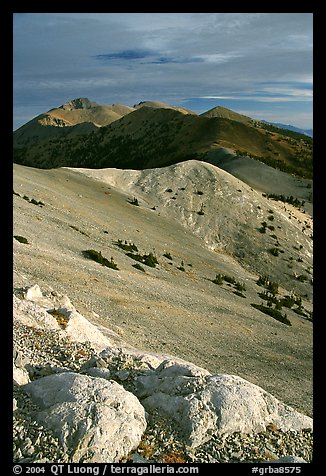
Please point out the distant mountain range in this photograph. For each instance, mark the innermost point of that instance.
(308, 132)
(82, 133)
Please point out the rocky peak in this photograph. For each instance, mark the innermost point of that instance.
(79, 103)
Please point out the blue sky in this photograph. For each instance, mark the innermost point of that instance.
(258, 64)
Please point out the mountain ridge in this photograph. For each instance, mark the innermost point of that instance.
(156, 135)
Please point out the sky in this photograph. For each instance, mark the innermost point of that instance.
(257, 64)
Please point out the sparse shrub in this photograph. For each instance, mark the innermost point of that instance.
(302, 278)
(272, 286)
(269, 297)
(199, 192)
(149, 260)
(262, 280)
(138, 266)
(35, 202)
(201, 211)
(230, 279)
(265, 281)
(276, 314)
(181, 267)
(274, 251)
(219, 279)
(270, 217)
(238, 293)
(21, 239)
(288, 301)
(168, 256)
(240, 286)
(126, 246)
(80, 231)
(97, 256)
(134, 201)
(169, 190)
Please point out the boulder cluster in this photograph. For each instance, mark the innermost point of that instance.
(78, 397)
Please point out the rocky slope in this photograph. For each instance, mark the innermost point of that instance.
(80, 398)
(178, 306)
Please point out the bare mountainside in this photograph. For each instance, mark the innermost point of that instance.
(153, 134)
(67, 119)
(200, 301)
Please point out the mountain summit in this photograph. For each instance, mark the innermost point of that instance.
(225, 113)
(79, 103)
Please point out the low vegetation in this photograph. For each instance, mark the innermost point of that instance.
(147, 259)
(275, 313)
(126, 246)
(30, 200)
(21, 239)
(266, 282)
(239, 287)
(181, 267)
(134, 201)
(201, 211)
(286, 199)
(77, 229)
(139, 267)
(97, 256)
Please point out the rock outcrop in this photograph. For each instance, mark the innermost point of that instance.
(213, 405)
(95, 419)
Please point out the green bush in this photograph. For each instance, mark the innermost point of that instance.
(240, 286)
(181, 267)
(138, 266)
(97, 256)
(21, 239)
(288, 301)
(276, 314)
(126, 246)
(263, 280)
(219, 279)
(238, 293)
(168, 256)
(230, 279)
(149, 260)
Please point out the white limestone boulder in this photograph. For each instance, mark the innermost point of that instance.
(204, 405)
(94, 419)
